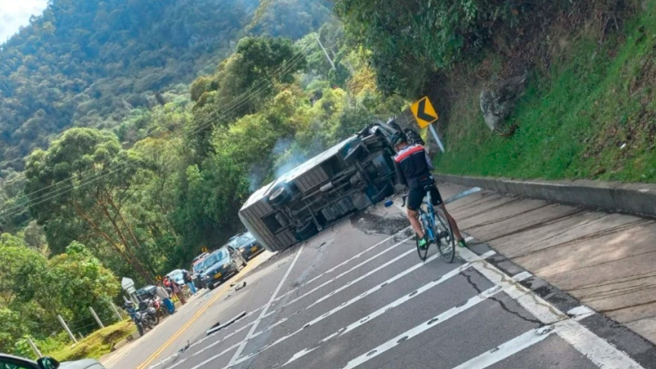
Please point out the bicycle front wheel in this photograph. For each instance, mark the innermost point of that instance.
(423, 251)
(444, 239)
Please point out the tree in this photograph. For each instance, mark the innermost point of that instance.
(91, 179)
(409, 41)
(241, 86)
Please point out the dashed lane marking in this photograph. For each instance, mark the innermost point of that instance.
(360, 322)
(337, 309)
(266, 307)
(431, 323)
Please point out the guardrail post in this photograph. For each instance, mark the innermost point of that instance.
(63, 323)
(93, 312)
(118, 315)
(34, 348)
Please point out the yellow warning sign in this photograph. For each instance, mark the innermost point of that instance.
(424, 112)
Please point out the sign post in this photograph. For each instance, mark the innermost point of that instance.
(426, 115)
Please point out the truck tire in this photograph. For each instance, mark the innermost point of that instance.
(307, 231)
(280, 196)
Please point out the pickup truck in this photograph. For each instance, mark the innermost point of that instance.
(348, 177)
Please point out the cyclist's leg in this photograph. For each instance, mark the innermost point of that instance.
(452, 222)
(415, 197)
(413, 216)
(436, 198)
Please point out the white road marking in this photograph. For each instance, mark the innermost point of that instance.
(322, 317)
(541, 309)
(524, 275)
(362, 321)
(241, 347)
(580, 312)
(595, 348)
(431, 323)
(348, 271)
(360, 278)
(507, 349)
(269, 313)
(356, 256)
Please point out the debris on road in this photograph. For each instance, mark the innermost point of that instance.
(218, 326)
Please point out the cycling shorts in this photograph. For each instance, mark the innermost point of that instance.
(416, 197)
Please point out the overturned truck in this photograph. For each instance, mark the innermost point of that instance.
(349, 176)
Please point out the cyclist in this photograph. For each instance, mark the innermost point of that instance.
(413, 170)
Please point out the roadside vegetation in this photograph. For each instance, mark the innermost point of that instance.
(96, 344)
(591, 115)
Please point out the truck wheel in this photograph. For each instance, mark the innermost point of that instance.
(307, 231)
(280, 196)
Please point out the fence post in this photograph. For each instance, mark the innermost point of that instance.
(93, 312)
(34, 348)
(63, 323)
(118, 315)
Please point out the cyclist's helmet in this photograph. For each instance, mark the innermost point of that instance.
(398, 138)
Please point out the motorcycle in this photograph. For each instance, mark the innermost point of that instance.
(162, 311)
(148, 313)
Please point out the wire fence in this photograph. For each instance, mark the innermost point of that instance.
(76, 329)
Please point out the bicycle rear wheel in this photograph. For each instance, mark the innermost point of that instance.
(444, 239)
(422, 252)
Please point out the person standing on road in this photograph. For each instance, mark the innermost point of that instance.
(162, 294)
(189, 281)
(413, 169)
(177, 290)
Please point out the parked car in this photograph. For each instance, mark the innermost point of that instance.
(348, 177)
(221, 265)
(196, 269)
(177, 276)
(246, 244)
(147, 293)
(9, 361)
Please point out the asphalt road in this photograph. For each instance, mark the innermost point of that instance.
(358, 296)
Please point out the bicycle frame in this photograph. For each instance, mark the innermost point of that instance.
(430, 212)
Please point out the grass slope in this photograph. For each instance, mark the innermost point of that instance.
(595, 118)
(96, 344)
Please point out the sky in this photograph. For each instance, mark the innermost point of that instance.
(16, 13)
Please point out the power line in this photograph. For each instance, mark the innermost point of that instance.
(244, 98)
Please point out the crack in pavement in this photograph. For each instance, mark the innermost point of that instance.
(502, 304)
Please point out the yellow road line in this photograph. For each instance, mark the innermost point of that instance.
(177, 334)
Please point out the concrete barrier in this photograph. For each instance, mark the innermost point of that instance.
(633, 198)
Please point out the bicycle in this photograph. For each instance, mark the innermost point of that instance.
(437, 228)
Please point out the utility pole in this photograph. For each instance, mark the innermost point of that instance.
(325, 52)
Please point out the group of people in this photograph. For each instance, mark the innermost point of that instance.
(169, 287)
